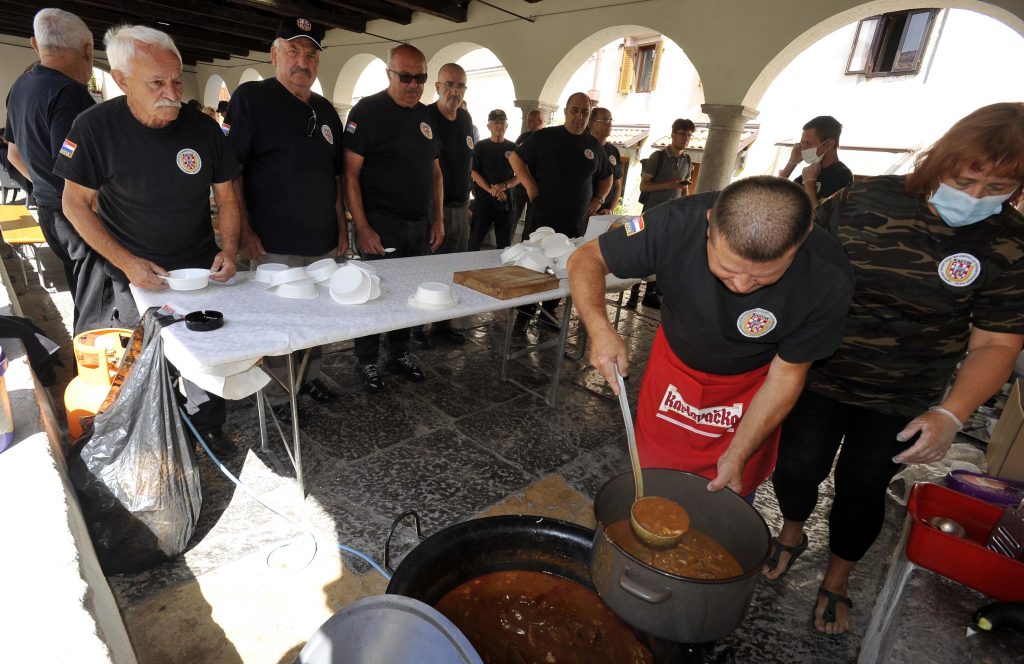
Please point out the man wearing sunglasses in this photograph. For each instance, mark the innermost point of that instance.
(288, 140)
(394, 191)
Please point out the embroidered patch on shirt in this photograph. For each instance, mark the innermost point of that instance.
(755, 323)
(351, 127)
(588, 153)
(226, 128)
(634, 226)
(612, 160)
(959, 270)
(426, 130)
(189, 161)
(326, 131)
(469, 142)
(68, 149)
(507, 153)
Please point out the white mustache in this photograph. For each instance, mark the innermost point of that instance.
(167, 103)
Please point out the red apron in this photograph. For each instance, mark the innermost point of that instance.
(687, 418)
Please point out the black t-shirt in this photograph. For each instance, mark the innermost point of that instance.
(800, 318)
(289, 175)
(456, 156)
(523, 136)
(831, 179)
(399, 146)
(490, 160)
(564, 166)
(615, 162)
(154, 184)
(41, 106)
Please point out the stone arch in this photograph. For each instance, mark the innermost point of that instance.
(250, 74)
(344, 87)
(583, 49)
(834, 22)
(211, 93)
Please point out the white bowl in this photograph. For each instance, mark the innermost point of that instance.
(191, 278)
(434, 292)
(303, 289)
(370, 290)
(512, 253)
(541, 233)
(375, 289)
(563, 260)
(362, 265)
(267, 270)
(534, 260)
(413, 301)
(288, 276)
(348, 280)
(321, 270)
(556, 245)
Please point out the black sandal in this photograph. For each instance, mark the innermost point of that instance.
(793, 551)
(828, 616)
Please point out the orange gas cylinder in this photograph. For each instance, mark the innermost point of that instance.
(98, 354)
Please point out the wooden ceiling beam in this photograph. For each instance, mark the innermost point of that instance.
(447, 9)
(375, 9)
(189, 11)
(329, 18)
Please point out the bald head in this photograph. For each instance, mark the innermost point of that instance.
(577, 112)
(761, 218)
(406, 62)
(451, 89)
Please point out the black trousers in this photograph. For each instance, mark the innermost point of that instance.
(83, 270)
(485, 216)
(811, 435)
(409, 238)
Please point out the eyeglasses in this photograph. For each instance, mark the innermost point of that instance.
(409, 78)
(608, 121)
(449, 85)
(311, 125)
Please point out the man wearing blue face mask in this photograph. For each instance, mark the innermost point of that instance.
(939, 267)
(823, 173)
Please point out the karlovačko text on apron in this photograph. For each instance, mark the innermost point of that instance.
(687, 418)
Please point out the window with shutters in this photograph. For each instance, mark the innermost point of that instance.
(640, 63)
(891, 44)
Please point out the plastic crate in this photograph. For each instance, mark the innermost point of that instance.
(966, 561)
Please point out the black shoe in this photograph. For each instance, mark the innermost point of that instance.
(419, 340)
(651, 301)
(404, 365)
(219, 444)
(318, 391)
(631, 302)
(283, 412)
(450, 336)
(370, 374)
(519, 326)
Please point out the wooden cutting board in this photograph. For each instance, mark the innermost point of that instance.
(506, 283)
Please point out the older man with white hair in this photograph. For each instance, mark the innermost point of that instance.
(41, 106)
(138, 173)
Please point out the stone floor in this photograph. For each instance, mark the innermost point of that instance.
(254, 585)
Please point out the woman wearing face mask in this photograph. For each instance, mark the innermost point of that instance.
(938, 257)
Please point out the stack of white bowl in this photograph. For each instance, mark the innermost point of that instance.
(545, 250)
(354, 284)
(292, 283)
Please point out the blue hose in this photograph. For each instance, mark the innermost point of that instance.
(227, 473)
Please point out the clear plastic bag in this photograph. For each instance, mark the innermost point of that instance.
(135, 473)
(961, 456)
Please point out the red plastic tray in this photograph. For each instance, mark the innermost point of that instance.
(964, 560)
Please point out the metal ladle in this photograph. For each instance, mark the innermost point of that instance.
(645, 535)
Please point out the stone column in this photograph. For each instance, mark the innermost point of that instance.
(528, 105)
(719, 161)
(343, 110)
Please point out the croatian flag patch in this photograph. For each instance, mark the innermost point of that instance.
(68, 149)
(351, 127)
(634, 225)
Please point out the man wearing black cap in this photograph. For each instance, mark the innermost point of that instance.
(394, 190)
(455, 134)
(288, 140)
(493, 182)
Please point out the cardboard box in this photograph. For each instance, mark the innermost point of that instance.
(1005, 452)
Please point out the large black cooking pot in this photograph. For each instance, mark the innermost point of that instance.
(473, 548)
(664, 605)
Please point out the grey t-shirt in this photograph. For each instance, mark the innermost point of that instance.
(664, 167)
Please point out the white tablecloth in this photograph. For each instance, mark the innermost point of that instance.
(258, 323)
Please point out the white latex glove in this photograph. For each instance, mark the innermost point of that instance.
(938, 428)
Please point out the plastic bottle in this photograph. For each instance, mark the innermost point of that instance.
(6, 421)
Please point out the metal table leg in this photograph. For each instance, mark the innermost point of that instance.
(291, 388)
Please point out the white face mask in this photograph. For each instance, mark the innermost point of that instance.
(811, 156)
